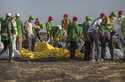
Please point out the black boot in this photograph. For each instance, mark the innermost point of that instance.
(72, 54)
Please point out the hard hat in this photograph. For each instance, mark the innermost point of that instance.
(37, 18)
(18, 15)
(31, 17)
(9, 14)
(102, 14)
(89, 18)
(65, 15)
(120, 12)
(75, 18)
(50, 18)
(37, 21)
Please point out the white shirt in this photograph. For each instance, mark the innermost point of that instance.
(95, 25)
(28, 28)
(98, 21)
(120, 19)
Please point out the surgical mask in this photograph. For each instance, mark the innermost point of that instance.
(114, 18)
(89, 22)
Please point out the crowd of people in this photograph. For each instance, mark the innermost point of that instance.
(92, 36)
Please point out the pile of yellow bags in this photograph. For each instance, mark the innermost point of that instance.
(45, 50)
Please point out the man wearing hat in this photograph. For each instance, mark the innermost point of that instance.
(113, 20)
(121, 31)
(7, 31)
(28, 26)
(105, 37)
(86, 24)
(73, 36)
(65, 22)
(57, 34)
(93, 37)
(14, 36)
(49, 26)
(121, 18)
(116, 25)
(120, 15)
(19, 31)
(120, 21)
(37, 27)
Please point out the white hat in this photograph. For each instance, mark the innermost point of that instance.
(18, 14)
(9, 14)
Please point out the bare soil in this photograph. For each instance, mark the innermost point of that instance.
(62, 71)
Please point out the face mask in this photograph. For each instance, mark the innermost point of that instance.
(114, 18)
(9, 18)
(52, 21)
(75, 22)
(89, 22)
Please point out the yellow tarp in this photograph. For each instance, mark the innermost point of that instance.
(45, 50)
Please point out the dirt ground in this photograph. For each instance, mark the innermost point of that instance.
(62, 71)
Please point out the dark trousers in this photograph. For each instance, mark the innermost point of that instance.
(106, 40)
(94, 45)
(73, 47)
(7, 45)
(87, 49)
(37, 33)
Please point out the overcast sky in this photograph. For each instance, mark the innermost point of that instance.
(56, 8)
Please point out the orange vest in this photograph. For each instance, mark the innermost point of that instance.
(65, 24)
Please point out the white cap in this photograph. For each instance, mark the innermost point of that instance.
(18, 14)
(9, 14)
